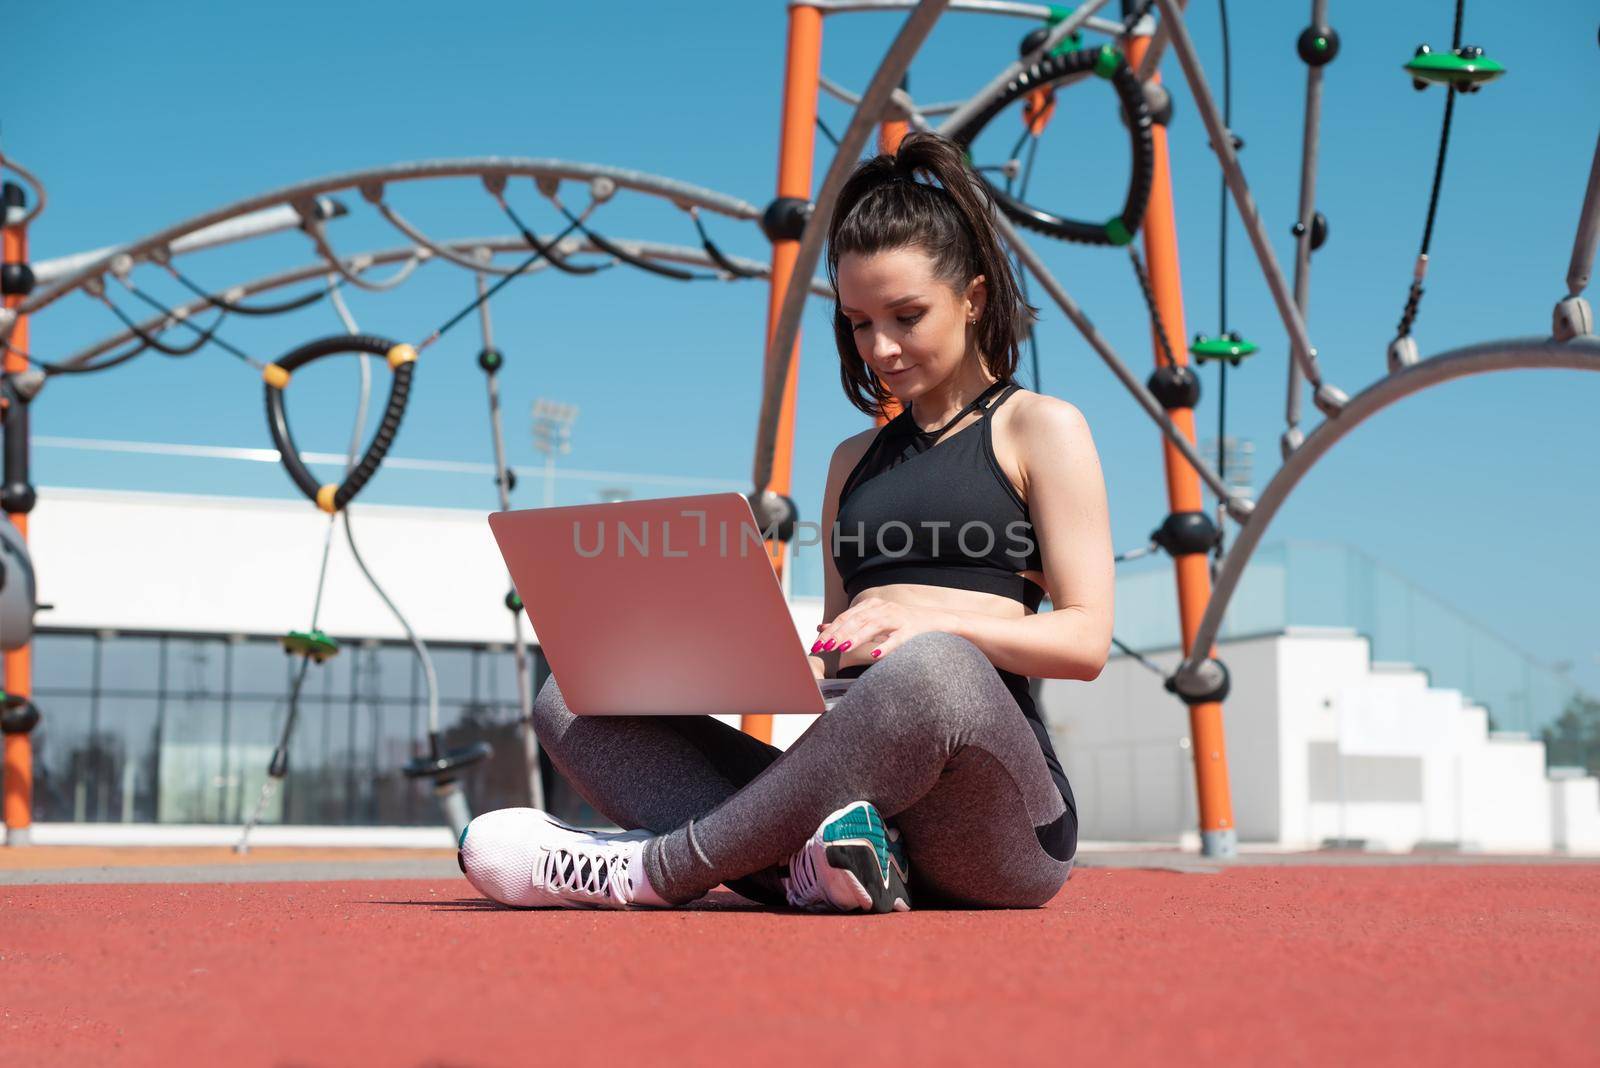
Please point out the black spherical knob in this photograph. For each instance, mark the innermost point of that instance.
(1318, 45)
(18, 715)
(1319, 230)
(1032, 40)
(1186, 533)
(18, 497)
(491, 360)
(1175, 386)
(785, 219)
(16, 279)
(513, 602)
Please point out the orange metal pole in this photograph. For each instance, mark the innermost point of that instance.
(1183, 492)
(16, 771)
(890, 134)
(795, 151)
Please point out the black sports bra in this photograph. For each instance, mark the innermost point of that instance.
(914, 510)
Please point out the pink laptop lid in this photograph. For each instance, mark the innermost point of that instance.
(658, 607)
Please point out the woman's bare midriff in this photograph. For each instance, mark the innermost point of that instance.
(938, 597)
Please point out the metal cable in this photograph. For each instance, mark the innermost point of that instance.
(622, 254)
(829, 134)
(470, 308)
(1408, 315)
(217, 301)
(151, 341)
(1139, 657)
(519, 645)
(547, 251)
(63, 369)
(206, 335)
(1150, 306)
(1022, 276)
(312, 226)
(1222, 284)
(421, 650)
(716, 254)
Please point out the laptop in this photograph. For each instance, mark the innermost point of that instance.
(660, 607)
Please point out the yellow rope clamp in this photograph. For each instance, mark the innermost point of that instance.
(400, 354)
(325, 498)
(275, 376)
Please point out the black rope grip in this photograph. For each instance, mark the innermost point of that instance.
(1042, 75)
(377, 448)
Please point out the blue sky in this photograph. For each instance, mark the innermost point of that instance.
(137, 116)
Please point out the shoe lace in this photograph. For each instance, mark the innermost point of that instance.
(582, 871)
(804, 888)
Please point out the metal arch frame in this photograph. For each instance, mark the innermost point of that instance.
(1578, 354)
(682, 194)
(502, 245)
(1033, 12)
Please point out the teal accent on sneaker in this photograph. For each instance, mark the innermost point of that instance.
(862, 822)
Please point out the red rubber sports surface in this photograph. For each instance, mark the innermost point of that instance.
(1284, 965)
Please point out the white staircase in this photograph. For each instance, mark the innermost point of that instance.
(1323, 745)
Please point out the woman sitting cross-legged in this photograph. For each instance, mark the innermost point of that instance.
(933, 776)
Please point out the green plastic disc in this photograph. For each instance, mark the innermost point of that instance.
(1117, 231)
(1449, 68)
(1231, 347)
(1070, 43)
(312, 643)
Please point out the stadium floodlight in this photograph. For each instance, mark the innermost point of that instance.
(552, 436)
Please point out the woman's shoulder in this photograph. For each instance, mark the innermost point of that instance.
(1028, 414)
(1039, 433)
(849, 452)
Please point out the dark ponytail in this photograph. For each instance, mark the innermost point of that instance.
(885, 206)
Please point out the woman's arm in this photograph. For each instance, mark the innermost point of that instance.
(845, 457)
(1066, 494)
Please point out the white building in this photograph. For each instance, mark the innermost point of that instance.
(162, 685)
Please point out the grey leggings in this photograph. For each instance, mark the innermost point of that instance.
(930, 735)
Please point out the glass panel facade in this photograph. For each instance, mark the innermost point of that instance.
(1300, 583)
(180, 728)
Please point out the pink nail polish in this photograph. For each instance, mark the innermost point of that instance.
(816, 645)
(875, 652)
(828, 646)
(843, 647)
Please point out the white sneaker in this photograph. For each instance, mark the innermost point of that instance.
(527, 858)
(854, 861)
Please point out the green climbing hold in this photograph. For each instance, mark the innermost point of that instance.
(1230, 347)
(1465, 69)
(1108, 62)
(1117, 231)
(1072, 41)
(312, 643)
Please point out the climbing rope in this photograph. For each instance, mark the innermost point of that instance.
(1465, 69)
(1222, 291)
(1151, 308)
